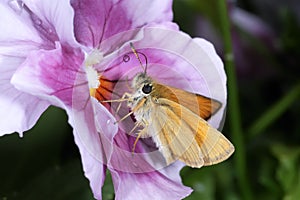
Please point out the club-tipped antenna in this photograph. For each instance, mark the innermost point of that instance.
(138, 57)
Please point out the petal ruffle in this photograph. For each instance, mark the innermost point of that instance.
(50, 74)
(19, 110)
(94, 145)
(148, 186)
(17, 38)
(98, 20)
(94, 169)
(16, 26)
(53, 19)
(22, 33)
(143, 174)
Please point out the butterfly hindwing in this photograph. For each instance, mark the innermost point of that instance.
(189, 137)
(168, 136)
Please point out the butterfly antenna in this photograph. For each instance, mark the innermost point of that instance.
(138, 57)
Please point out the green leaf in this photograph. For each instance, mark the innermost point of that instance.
(58, 182)
(288, 171)
(202, 182)
(211, 182)
(108, 189)
(275, 111)
(202, 7)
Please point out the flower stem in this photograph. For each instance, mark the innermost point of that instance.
(233, 105)
(275, 111)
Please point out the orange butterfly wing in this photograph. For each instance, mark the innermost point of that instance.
(181, 133)
(203, 106)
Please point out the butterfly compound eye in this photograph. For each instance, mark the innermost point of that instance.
(147, 88)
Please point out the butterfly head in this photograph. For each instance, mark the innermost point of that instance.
(142, 83)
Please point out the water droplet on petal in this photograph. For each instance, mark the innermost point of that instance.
(16, 5)
(126, 58)
(38, 21)
(21, 134)
(108, 121)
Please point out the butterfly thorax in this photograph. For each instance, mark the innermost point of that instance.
(141, 99)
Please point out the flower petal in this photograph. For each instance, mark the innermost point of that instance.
(17, 38)
(150, 185)
(93, 138)
(97, 20)
(50, 74)
(53, 19)
(16, 25)
(142, 173)
(21, 110)
(94, 170)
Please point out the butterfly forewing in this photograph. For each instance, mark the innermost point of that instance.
(198, 104)
(168, 132)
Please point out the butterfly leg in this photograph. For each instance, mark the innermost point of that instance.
(142, 132)
(137, 124)
(133, 110)
(123, 98)
(126, 96)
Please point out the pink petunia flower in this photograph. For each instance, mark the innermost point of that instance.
(74, 54)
